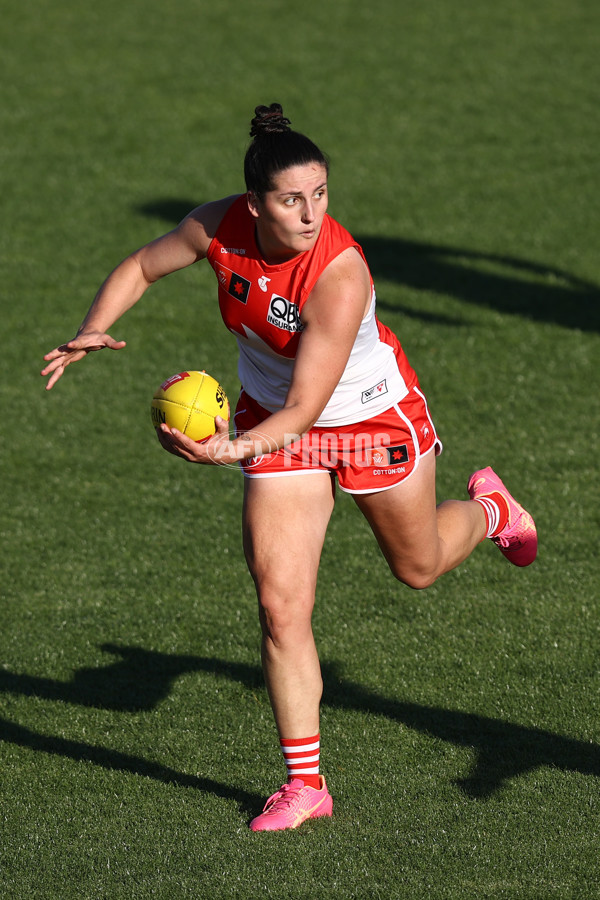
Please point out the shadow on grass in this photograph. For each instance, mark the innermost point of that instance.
(503, 283)
(115, 760)
(141, 679)
(138, 681)
(503, 750)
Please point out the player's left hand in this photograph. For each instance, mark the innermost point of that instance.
(217, 450)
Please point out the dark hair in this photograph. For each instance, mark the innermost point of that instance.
(275, 148)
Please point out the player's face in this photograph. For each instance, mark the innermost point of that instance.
(289, 218)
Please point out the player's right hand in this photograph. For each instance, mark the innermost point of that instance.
(74, 350)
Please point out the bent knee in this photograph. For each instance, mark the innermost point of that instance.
(413, 576)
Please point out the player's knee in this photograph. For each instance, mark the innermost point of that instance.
(284, 614)
(415, 576)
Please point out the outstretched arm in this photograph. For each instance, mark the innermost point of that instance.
(186, 244)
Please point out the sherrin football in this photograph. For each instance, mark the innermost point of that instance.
(189, 402)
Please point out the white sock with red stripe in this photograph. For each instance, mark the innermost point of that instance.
(301, 756)
(495, 508)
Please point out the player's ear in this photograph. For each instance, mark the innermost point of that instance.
(253, 204)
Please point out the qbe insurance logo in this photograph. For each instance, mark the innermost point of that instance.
(284, 314)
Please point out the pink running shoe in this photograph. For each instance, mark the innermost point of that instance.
(292, 805)
(518, 539)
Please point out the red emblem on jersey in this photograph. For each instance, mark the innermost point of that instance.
(233, 283)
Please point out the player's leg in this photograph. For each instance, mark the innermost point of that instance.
(420, 540)
(285, 521)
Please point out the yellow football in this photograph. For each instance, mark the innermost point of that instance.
(189, 402)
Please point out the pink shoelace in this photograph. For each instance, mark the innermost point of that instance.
(282, 798)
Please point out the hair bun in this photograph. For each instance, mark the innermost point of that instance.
(269, 120)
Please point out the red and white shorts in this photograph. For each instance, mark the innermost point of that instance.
(367, 456)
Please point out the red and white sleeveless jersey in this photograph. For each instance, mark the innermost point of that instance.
(262, 304)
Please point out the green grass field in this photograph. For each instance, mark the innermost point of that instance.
(461, 725)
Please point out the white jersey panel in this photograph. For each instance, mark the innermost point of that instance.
(370, 383)
(263, 374)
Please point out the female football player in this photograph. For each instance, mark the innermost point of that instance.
(327, 397)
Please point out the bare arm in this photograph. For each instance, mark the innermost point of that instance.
(332, 317)
(182, 247)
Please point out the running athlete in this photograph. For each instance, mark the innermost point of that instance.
(327, 396)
